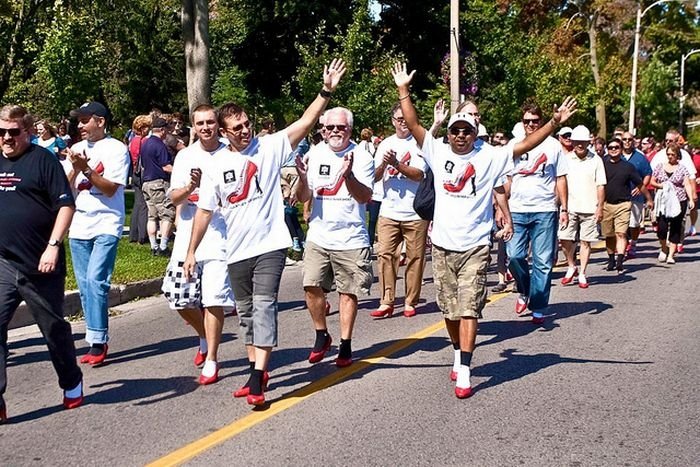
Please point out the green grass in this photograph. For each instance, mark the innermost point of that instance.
(134, 263)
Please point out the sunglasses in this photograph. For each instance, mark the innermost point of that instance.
(627, 139)
(340, 128)
(613, 148)
(238, 128)
(533, 121)
(566, 136)
(459, 131)
(10, 131)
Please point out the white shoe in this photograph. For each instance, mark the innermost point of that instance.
(662, 256)
(670, 260)
(289, 262)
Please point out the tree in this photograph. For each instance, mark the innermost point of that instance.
(195, 33)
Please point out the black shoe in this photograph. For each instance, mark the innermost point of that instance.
(165, 252)
(611, 264)
(498, 288)
(154, 251)
(618, 263)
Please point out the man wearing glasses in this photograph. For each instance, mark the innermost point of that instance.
(245, 185)
(37, 208)
(538, 189)
(564, 136)
(465, 177)
(338, 178)
(641, 164)
(621, 176)
(400, 168)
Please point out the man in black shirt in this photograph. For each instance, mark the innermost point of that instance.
(37, 209)
(620, 175)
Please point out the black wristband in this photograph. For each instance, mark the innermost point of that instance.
(325, 94)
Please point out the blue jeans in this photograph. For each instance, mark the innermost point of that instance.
(93, 263)
(538, 229)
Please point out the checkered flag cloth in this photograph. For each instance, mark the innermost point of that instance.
(180, 292)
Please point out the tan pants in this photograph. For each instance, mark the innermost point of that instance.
(391, 234)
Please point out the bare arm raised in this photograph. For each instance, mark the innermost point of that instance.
(403, 80)
(331, 77)
(560, 115)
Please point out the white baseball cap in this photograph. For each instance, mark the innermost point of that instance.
(564, 130)
(462, 117)
(580, 133)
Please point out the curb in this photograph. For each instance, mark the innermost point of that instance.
(118, 294)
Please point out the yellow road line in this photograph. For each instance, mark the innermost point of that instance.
(201, 445)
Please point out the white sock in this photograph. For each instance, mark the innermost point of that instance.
(164, 242)
(75, 392)
(463, 377)
(209, 368)
(570, 272)
(203, 345)
(153, 241)
(458, 360)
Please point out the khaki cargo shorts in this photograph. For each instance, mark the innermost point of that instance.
(350, 269)
(581, 227)
(460, 278)
(616, 218)
(158, 203)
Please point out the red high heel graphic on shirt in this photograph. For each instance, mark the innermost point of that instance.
(85, 184)
(542, 159)
(333, 188)
(461, 181)
(241, 192)
(404, 160)
(193, 198)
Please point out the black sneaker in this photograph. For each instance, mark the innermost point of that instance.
(165, 252)
(154, 251)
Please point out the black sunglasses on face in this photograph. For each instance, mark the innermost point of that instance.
(627, 139)
(339, 127)
(10, 131)
(534, 121)
(613, 148)
(458, 131)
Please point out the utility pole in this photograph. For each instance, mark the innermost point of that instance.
(454, 55)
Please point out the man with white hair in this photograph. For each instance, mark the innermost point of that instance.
(338, 177)
(586, 192)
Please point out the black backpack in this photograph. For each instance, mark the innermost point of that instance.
(424, 202)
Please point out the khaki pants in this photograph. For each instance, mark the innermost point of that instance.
(391, 234)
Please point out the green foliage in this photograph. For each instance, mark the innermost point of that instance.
(657, 97)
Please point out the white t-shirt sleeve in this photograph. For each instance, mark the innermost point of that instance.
(279, 145)
(116, 164)
(561, 166)
(363, 168)
(428, 149)
(209, 198)
(180, 176)
(600, 178)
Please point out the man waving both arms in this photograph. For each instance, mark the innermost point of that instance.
(465, 176)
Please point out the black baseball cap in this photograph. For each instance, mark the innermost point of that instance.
(89, 109)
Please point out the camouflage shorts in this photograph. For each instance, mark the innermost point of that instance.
(460, 278)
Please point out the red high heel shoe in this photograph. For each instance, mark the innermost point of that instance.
(204, 380)
(200, 358)
(315, 357)
(463, 393)
(243, 391)
(256, 400)
(383, 313)
(99, 359)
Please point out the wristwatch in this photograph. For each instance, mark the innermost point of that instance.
(87, 172)
(54, 242)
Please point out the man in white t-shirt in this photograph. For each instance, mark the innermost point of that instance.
(465, 176)
(538, 189)
(586, 195)
(211, 290)
(338, 178)
(400, 168)
(246, 186)
(101, 167)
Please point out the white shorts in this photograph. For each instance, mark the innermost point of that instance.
(214, 286)
(636, 214)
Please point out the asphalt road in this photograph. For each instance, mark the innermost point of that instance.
(611, 379)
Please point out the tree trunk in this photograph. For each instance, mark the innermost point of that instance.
(11, 54)
(195, 32)
(600, 104)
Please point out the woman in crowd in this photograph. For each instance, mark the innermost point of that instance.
(139, 216)
(48, 138)
(672, 179)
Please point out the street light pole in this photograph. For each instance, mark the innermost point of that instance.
(454, 55)
(635, 58)
(682, 96)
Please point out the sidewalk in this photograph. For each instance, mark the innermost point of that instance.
(118, 294)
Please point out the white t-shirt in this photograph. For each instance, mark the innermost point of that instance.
(95, 213)
(399, 191)
(247, 187)
(584, 177)
(685, 160)
(464, 192)
(337, 219)
(213, 245)
(535, 176)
